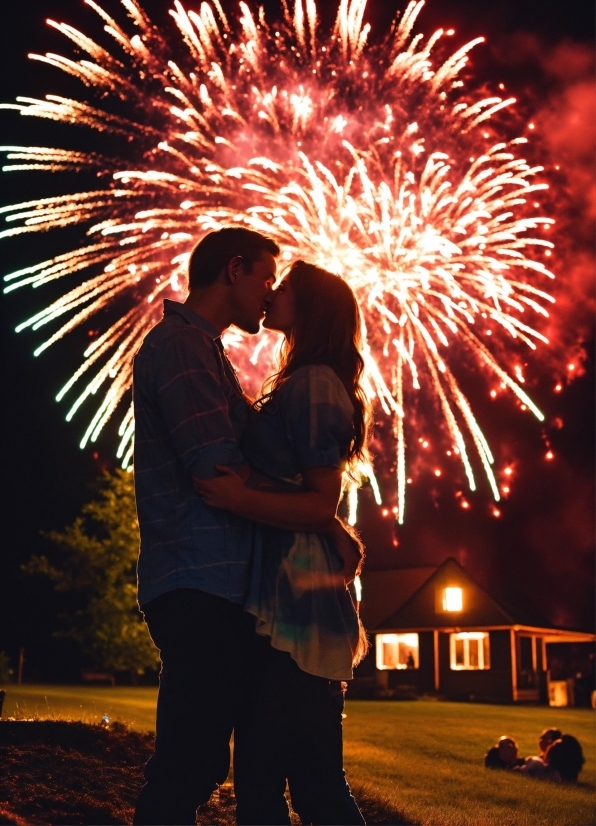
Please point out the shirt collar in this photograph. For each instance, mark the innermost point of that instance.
(190, 317)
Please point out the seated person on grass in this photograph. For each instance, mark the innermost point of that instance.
(565, 758)
(536, 766)
(562, 762)
(504, 755)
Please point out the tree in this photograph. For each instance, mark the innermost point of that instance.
(98, 567)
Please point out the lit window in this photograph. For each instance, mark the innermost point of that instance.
(453, 599)
(469, 651)
(397, 651)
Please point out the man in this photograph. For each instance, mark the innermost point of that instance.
(193, 561)
(504, 755)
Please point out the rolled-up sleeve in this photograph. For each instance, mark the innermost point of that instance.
(193, 403)
(319, 418)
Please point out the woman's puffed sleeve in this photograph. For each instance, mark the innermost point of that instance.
(318, 415)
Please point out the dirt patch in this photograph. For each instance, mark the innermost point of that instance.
(56, 772)
(59, 772)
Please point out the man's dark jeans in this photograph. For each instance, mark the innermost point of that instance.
(205, 644)
(293, 730)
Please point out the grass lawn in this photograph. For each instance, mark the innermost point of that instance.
(425, 759)
(422, 758)
(133, 706)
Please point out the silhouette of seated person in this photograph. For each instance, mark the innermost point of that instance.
(565, 759)
(410, 661)
(536, 766)
(562, 762)
(503, 755)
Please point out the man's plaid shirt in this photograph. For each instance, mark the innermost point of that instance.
(189, 414)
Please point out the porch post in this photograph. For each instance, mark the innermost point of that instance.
(512, 645)
(436, 660)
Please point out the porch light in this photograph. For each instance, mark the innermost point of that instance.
(453, 599)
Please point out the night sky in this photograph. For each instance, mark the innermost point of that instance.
(540, 551)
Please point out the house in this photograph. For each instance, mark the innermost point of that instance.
(436, 631)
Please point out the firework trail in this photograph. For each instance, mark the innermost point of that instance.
(369, 160)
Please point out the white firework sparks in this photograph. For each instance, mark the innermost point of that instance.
(369, 160)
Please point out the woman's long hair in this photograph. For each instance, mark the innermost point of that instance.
(566, 757)
(327, 330)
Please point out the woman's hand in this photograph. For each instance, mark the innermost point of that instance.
(350, 548)
(225, 491)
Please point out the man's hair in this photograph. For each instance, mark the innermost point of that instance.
(216, 249)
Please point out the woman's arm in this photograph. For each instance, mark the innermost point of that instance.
(312, 510)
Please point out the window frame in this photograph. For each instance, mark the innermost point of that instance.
(482, 639)
(381, 639)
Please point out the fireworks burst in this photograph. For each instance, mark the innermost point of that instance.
(367, 159)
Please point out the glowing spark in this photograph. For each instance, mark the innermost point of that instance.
(358, 589)
(369, 160)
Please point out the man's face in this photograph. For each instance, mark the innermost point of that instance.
(507, 750)
(251, 292)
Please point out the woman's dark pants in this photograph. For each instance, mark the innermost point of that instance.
(293, 730)
(205, 645)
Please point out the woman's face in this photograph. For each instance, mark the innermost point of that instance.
(280, 313)
(545, 740)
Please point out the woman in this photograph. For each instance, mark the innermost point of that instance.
(565, 759)
(308, 429)
(536, 766)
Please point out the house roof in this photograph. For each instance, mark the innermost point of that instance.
(384, 591)
(412, 598)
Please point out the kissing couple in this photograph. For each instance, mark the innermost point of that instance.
(244, 566)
